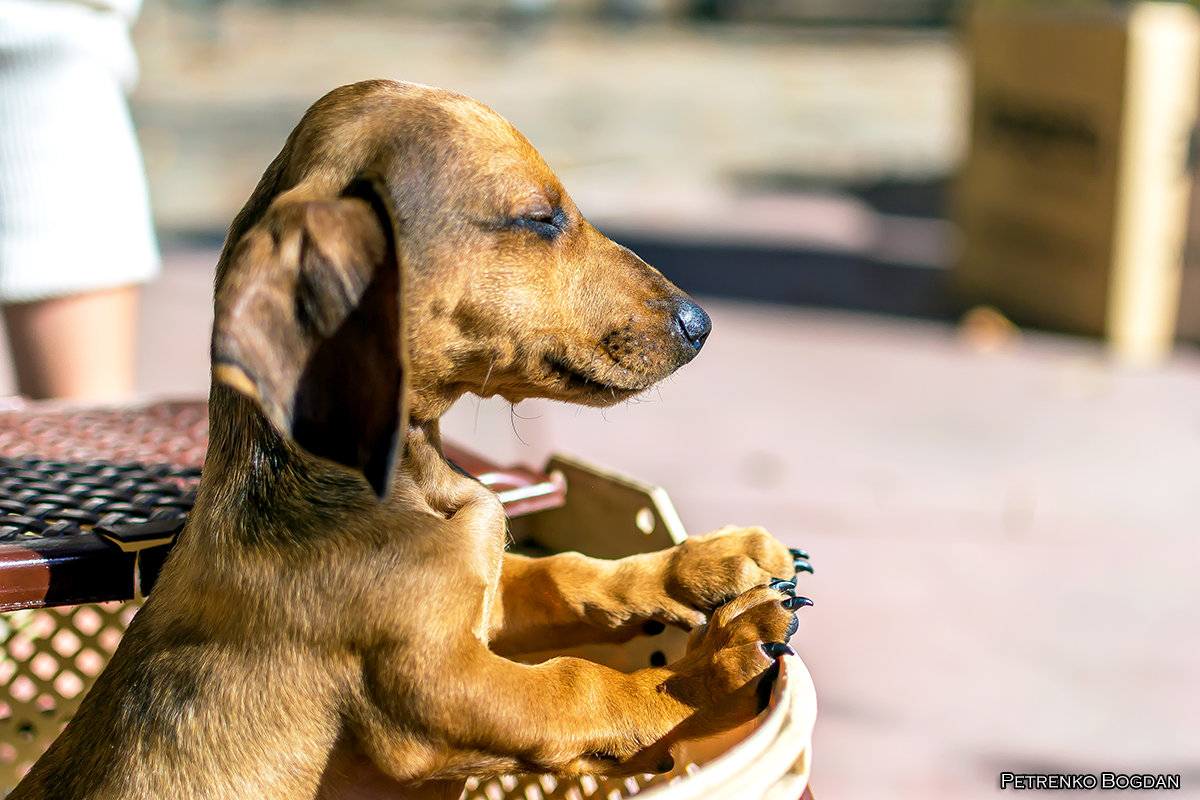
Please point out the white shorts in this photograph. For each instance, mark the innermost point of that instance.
(74, 209)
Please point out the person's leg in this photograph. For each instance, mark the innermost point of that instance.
(76, 233)
(80, 346)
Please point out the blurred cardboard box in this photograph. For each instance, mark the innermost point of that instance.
(1073, 200)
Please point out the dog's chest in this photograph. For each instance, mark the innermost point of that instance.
(492, 539)
(470, 540)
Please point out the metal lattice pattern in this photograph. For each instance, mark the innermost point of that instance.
(49, 659)
(60, 498)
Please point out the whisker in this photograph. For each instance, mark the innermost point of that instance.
(483, 388)
(513, 410)
(512, 414)
(482, 392)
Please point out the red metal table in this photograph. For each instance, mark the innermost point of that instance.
(46, 447)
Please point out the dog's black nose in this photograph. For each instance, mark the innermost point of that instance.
(693, 323)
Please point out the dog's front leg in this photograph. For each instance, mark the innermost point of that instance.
(469, 711)
(568, 599)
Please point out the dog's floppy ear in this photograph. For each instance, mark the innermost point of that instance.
(308, 324)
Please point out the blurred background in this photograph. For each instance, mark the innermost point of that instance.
(1002, 519)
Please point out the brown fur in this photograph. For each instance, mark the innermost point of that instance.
(315, 633)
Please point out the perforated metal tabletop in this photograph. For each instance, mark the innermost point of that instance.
(92, 498)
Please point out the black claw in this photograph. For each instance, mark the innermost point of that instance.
(776, 649)
(793, 626)
(803, 566)
(798, 554)
(782, 585)
(793, 603)
(653, 627)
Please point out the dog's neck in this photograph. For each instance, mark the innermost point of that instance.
(425, 468)
(250, 457)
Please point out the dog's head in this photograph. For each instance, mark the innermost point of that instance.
(409, 245)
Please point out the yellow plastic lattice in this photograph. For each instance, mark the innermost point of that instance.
(50, 658)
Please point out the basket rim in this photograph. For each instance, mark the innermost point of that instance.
(772, 760)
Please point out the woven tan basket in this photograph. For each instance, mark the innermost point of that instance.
(50, 657)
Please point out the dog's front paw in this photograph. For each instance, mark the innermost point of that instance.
(725, 677)
(708, 570)
(736, 654)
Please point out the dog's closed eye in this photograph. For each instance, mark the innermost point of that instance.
(546, 223)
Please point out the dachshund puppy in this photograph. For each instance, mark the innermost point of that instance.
(339, 614)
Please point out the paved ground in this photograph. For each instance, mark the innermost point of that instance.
(1005, 544)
